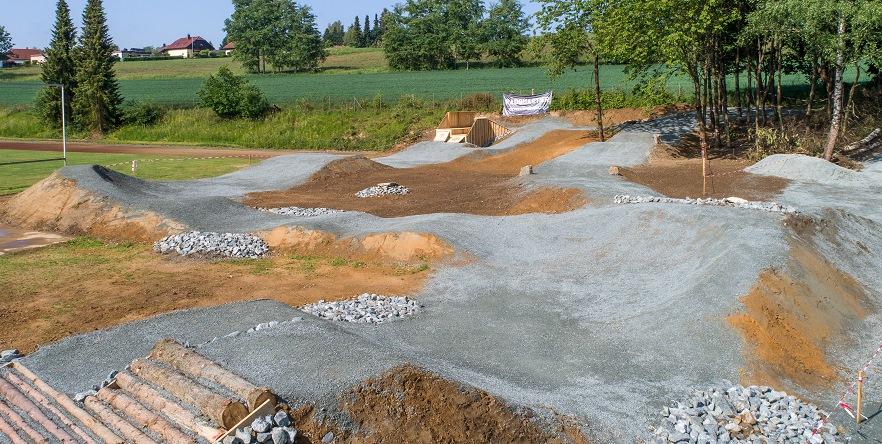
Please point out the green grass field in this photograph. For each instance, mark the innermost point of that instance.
(16, 178)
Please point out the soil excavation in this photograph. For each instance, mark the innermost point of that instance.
(792, 315)
(480, 183)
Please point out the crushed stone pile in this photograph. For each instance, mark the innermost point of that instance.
(300, 211)
(7, 356)
(804, 168)
(743, 415)
(383, 189)
(232, 245)
(274, 429)
(365, 309)
(734, 202)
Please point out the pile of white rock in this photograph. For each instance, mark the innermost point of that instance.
(383, 189)
(274, 429)
(232, 245)
(734, 202)
(365, 309)
(7, 356)
(300, 211)
(743, 415)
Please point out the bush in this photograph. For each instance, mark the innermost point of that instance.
(230, 96)
(142, 113)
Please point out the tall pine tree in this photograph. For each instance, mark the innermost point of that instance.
(59, 67)
(97, 102)
(366, 36)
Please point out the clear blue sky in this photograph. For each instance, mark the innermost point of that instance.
(138, 23)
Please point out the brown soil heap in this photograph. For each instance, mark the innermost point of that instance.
(479, 183)
(410, 405)
(57, 204)
(791, 316)
(682, 178)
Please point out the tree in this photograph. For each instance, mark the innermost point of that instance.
(334, 33)
(230, 96)
(353, 35)
(59, 68)
(96, 99)
(5, 43)
(430, 34)
(571, 25)
(504, 32)
(378, 31)
(367, 36)
(280, 33)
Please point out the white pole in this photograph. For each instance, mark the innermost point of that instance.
(63, 127)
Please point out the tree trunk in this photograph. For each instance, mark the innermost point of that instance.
(195, 365)
(44, 402)
(813, 90)
(151, 398)
(142, 417)
(737, 71)
(702, 126)
(107, 416)
(223, 411)
(779, 97)
(15, 398)
(837, 92)
(598, 97)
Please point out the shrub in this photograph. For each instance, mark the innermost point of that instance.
(142, 113)
(230, 96)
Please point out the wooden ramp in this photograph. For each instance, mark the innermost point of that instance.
(467, 126)
(174, 395)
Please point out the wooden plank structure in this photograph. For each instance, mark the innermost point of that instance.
(467, 126)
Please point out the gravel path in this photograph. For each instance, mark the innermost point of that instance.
(606, 313)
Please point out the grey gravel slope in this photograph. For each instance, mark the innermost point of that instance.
(606, 313)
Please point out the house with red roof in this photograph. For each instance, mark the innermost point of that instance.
(229, 48)
(21, 56)
(185, 47)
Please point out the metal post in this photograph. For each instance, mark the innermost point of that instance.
(63, 127)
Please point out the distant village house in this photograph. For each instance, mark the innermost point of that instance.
(229, 48)
(186, 47)
(23, 56)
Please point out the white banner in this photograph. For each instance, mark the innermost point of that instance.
(514, 105)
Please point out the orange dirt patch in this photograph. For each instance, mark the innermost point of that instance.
(479, 183)
(81, 286)
(408, 404)
(790, 317)
(682, 178)
(403, 247)
(56, 204)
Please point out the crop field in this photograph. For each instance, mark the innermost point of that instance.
(348, 74)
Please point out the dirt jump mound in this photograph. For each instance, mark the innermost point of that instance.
(57, 203)
(480, 183)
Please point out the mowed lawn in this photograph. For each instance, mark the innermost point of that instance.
(17, 177)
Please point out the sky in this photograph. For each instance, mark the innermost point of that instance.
(139, 23)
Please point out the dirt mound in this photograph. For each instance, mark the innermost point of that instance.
(791, 315)
(480, 183)
(410, 405)
(681, 178)
(56, 203)
(403, 247)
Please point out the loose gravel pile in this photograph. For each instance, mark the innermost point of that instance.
(275, 429)
(383, 189)
(743, 415)
(301, 212)
(233, 245)
(733, 202)
(365, 309)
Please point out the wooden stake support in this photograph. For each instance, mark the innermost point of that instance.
(860, 396)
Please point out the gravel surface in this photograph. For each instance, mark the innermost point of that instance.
(633, 297)
(390, 189)
(196, 243)
(743, 415)
(301, 212)
(365, 309)
(804, 168)
(733, 202)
